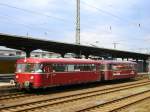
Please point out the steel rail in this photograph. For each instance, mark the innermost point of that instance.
(64, 99)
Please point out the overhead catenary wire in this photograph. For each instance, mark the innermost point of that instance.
(39, 13)
(30, 26)
(108, 13)
(64, 20)
(23, 24)
(61, 19)
(7, 19)
(34, 12)
(138, 25)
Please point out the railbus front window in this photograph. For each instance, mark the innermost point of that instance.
(29, 68)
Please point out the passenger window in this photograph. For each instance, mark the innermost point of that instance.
(76, 67)
(115, 67)
(70, 68)
(109, 66)
(73, 67)
(59, 68)
(93, 67)
(102, 67)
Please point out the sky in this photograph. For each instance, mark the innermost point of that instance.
(103, 22)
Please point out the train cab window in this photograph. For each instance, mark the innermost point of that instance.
(19, 68)
(28, 67)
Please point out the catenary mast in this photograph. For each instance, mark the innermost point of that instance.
(78, 23)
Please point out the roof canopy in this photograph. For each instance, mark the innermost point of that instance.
(29, 44)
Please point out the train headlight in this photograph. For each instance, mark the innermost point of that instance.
(132, 72)
(32, 77)
(17, 76)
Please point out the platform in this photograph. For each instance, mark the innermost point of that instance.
(4, 84)
(6, 77)
(6, 80)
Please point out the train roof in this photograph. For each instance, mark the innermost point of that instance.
(114, 62)
(57, 60)
(69, 61)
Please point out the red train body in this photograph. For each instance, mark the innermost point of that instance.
(42, 73)
(111, 70)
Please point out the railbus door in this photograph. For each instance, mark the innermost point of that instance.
(47, 76)
(59, 76)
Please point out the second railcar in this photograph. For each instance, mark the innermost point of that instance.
(111, 70)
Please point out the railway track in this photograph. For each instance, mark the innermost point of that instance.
(17, 95)
(64, 100)
(7, 90)
(117, 104)
(14, 96)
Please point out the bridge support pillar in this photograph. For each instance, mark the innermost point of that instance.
(148, 66)
(62, 55)
(86, 56)
(28, 53)
(144, 66)
(137, 60)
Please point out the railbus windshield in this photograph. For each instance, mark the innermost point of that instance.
(29, 68)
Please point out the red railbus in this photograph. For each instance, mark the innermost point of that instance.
(42, 73)
(111, 70)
